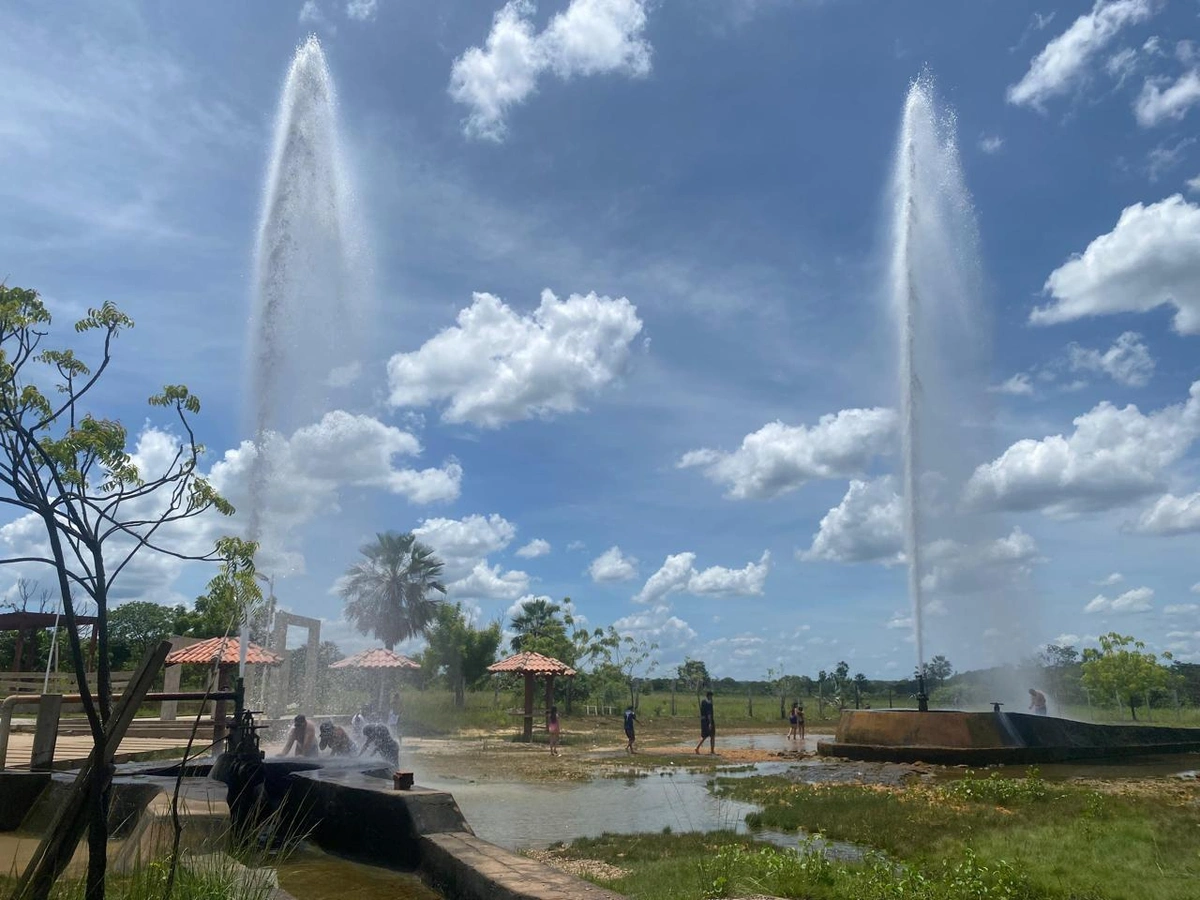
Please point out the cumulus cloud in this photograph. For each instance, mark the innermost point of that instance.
(1127, 361)
(362, 10)
(678, 574)
(1171, 515)
(1150, 259)
(1110, 579)
(1115, 456)
(535, 548)
(1064, 62)
(312, 14)
(866, 526)
(1161, 101)
(1020, 385)
(658, 625)
(613, 565)
(461, 544)
(1181, 609)
(589, 37)
(488, 583)
(497, 366)
(779, 458)
(957, 569)
(1136, 600)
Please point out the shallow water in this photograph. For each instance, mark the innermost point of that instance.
(312, 875)
(517, 814)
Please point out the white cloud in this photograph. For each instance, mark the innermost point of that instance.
(1110, 579)
(464, 543)
(679, 574)
(991, 144)
(657, 625)
(535, 548)
(1172, 515)
(1150, 259)
(1018, 386)
(900, 620)
(497, 366)
(1195, 588)
(362, 10)
(1127, 361)
(576, 545)
(312, 14)
(1136, 600)
(1193, 184)
(955, 569)
(1157, 104)
(589, 37)
(866, 526)
(1064, 62)
(488, 583)
(1122, 64)
(779, 458)
(613, 565)
(1114, 456)
(1181, 609)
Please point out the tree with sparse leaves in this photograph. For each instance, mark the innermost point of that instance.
(693, 673)
(459, 650)
(69, 473)
(1121, 668)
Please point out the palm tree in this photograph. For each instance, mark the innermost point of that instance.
(537, 619)
(388, 593)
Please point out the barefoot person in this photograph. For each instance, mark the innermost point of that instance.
(552, 727)
(630, 718)
(335, 740)
(304, 736)
(1037, 702)
(794, 721)
(708, 725)
(800, 722)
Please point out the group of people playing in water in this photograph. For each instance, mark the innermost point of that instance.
(369, 739)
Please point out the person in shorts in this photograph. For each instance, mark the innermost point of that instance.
(630, 719)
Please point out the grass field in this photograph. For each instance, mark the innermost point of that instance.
(981, 837)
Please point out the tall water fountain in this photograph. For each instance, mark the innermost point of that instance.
(935, 293)
(310, 292)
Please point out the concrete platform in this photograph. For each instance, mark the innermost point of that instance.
(952, 737)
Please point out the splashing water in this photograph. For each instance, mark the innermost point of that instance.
(935, 295)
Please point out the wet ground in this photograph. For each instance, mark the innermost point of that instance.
(312, 875)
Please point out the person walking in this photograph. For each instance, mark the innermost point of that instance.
(552, 727)
(630, 718)
(800, 722)
(708, 725)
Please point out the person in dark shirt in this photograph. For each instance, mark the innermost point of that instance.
(708, 725)
(630, 718)
(379, 740)
(335, 740)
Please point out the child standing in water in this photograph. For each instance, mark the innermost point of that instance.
(794, 720)
(552, 727)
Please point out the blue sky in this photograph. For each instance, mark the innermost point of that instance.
(702, 187)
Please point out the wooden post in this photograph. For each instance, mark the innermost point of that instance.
(45, 735)
(56, 848)
(527, 721)
(19, 651)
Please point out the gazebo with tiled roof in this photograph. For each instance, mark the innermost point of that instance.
(533, 665)
(225, 654)
(378, 658)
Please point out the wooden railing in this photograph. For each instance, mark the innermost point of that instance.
(60, 683)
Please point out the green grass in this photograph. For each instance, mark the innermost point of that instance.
(981, 837)
(205, 878)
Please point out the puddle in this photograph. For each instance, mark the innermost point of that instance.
(840, 851)
(517, 815)
(310, 874)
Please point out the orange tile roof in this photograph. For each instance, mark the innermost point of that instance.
(378, 658)
(206, 653)
(535, 663)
